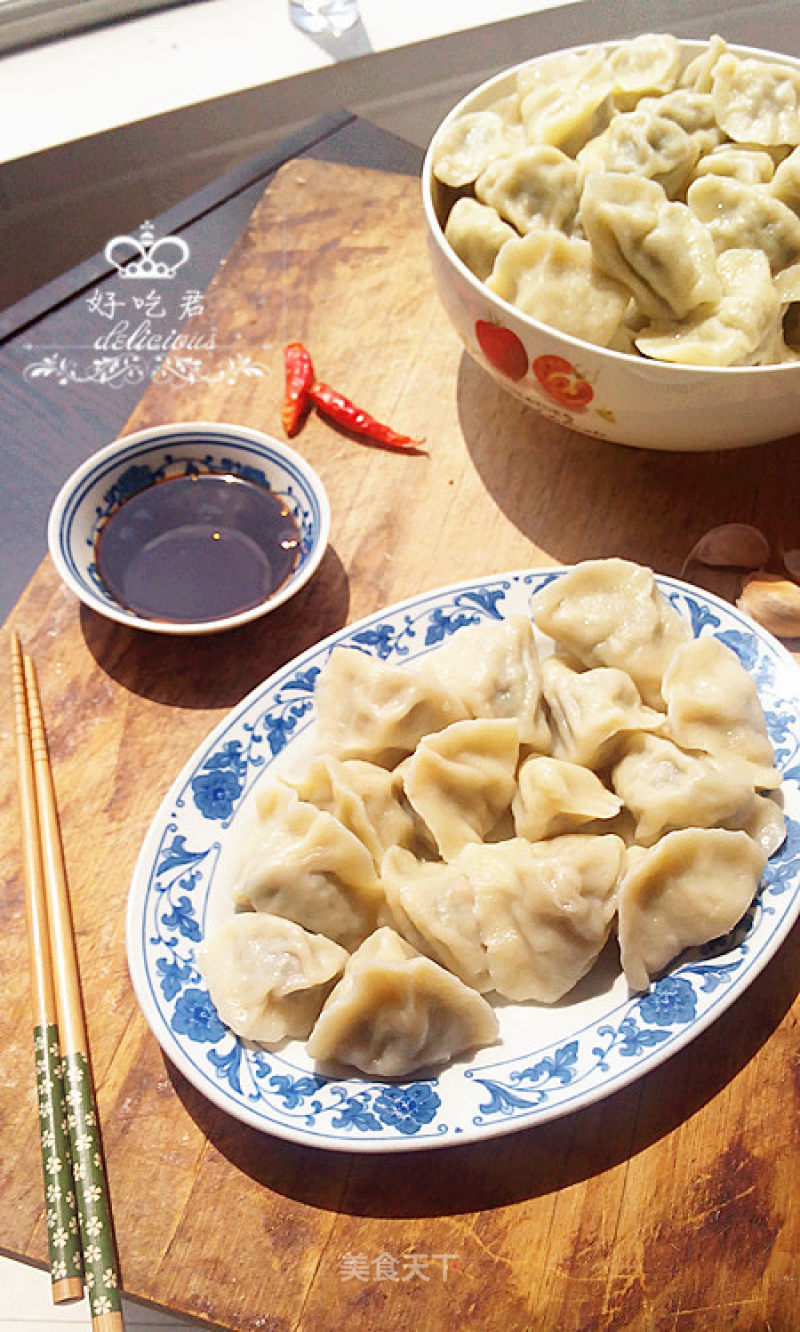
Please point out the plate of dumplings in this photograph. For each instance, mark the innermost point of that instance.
(476, 861)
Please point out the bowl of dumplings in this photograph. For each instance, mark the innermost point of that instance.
(614, 233)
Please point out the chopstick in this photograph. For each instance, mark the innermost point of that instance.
(85, 1235)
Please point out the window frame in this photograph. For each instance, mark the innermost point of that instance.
(26, 23)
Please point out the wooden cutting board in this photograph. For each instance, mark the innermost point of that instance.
(672, 1205)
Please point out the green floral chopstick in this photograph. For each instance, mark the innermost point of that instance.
(94, 1211)
(63, 1234)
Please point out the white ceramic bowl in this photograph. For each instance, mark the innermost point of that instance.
(137, 461)
(607, 394)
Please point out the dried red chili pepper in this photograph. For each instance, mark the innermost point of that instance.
(345, 413)
(299, 377)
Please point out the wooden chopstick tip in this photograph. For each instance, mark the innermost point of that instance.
(66, 1290)
(17, 673)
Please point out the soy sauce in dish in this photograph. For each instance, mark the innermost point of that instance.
(197, 548)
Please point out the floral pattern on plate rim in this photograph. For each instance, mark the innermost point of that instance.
(496, 1090)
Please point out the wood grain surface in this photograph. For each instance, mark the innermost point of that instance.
(672, 1205)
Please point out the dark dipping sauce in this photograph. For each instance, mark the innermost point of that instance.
(197, 548)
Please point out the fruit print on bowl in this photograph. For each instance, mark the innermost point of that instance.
(555, 375)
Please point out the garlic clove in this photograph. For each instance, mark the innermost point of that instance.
(773, 602)
(723, 582)
(791, 562)
(731, 546)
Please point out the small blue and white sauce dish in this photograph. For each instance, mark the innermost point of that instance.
(190, 528)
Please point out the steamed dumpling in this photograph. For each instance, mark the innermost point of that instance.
(492, 669)
(645, 143)
(757, 101)
(554, 796)
(693, 886)
(432, 905)
(566, 98)
(470, 143)
(371, 709)
(738, 216)
(648, 63)
(713, 705)
(740, 330)
(461, 780)
(693, 112)
(751, 166)
(699, 73)
(544, 911)
(268, 977)
(592, 711)
(365, 797)
(555, 279)
(477, 233)
(656, 247)
(666, 788)
(765, 822)
(611, 613)
(300, 862)
(394, 1012)
(785, 183)
(537, 187)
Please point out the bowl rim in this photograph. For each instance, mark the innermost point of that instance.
(580, 345)
(124, 450)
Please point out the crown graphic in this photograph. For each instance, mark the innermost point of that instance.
(144, 257)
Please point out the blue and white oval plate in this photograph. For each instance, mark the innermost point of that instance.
(550, 1061)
